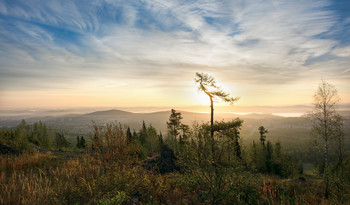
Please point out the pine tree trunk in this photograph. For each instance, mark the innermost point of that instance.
(211, 124)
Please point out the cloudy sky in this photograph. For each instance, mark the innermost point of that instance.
(146, 53)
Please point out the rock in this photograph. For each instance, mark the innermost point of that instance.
(5, 149)
(167, 163)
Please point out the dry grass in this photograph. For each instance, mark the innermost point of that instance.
(37, 178)
(277, 191)
(84, 179)
(28, 160)
(45, 185)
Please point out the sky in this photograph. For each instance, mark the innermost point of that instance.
(58, 53)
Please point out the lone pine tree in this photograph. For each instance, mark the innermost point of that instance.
(207, 84)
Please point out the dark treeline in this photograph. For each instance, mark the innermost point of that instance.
(24, 134)
(25, 137)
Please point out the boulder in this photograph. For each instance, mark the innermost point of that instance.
(167, 161)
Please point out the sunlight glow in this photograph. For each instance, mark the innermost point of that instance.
(201, 98)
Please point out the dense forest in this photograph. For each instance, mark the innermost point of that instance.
(201, 163)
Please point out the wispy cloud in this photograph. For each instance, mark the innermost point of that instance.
(342, 51)
(251, 42)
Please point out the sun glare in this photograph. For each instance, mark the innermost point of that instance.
(201, 98)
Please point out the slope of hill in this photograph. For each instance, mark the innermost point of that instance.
(108, 113)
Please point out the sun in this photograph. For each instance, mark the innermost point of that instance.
(201, 98)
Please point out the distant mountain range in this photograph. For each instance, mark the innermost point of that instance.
(285, 129)
(80, 122)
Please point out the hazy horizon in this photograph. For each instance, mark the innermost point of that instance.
(284, 111)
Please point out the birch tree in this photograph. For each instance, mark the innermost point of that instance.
(324, 112)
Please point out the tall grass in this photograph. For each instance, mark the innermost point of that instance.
(27, 160)
(89, 180)
(55, 184)
(86, 180)
(277, 191)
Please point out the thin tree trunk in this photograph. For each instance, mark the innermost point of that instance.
(212, 124)
(341, 170)
(175, 140)
(325, 115)
(326, 167)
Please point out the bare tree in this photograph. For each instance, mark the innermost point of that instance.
(323, 115)
(207, 84)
